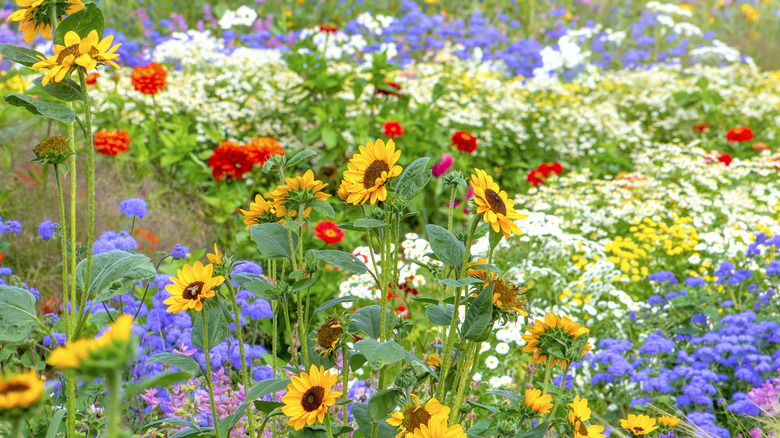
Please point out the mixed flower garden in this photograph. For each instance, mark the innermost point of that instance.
(444, 220)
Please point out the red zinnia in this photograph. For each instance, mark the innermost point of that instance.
(328, 28)
(149, 79)
(464, 141)
(389, 89)
(263, 148)
(230, 160)
(392, 129)
(725, 159)
(701, 126)
(739, 134)
(329, 232)
(92, 78)
(112, 142)
(537, 176)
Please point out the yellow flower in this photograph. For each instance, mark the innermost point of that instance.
(369, 171)
(260, 211)
(507, 296)
(437, 428)
(20, 391)
(433, 360)
(328, 336)
(541, 404)
(414, 416)
(71, 354)
(546, 334)
(342, 192)
(309, 396)
(299, 190)
(668, 421)
(191, 285)
(493, 204)
(87, 53)
(580, 412)
(34, 20)
(639, 424)
(215, 258)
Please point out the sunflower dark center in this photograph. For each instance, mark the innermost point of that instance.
(583, 430)
(495, 202)
(312, 398)
(193, 290)
(506, 294)
(414, 417)
(374, 171)
(14, 387)
(74, 50)
(329, 334)
(639, 429)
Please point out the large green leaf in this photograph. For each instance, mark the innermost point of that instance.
(114, 273)
(165, 379)
(21, 55)
(82, 22)
(17, 314)
(266, 387)
(340, 259)
(66, 89)
(381, 404)
(445, 245)
(216, 325)
(55, 423)
(438, 315)
(478, 316)
(178, 360)
(413, 179)
(380, 354)
(49, 110)
(300, 156)
(273, 240)
(366, 426)
(366, 321)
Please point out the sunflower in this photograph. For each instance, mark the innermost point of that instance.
(639, 424)
(342, 192)
(369, 171)
(552, 333)
(328, 336)
(507, 296)
(309, 396)
(541, 404)
(191, 285)
(215, 258)
(433, 360)
(668, 421)
(414, 416)
(20, 391)
(34, 19)
(580, 412)
(437, 427)
(73, 353)
(260, 212)
(87, 53)
(297, 191)
(493, 204)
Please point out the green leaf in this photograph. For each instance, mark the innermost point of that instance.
(303, 284)
(479, 316)
(369, 223)
(323, 208)
(451, 282)
(20, 55)
(82, 22)
(379, 354)
(538, 432)
(413, 179)
(55, 422)
(273, 241)
(514, 398)
(438, 315)
(172, 420)
(366, 320)
(267, 407)
(114, 273)
(382, 403)
(49, 110)
(164, 379)
(216, 325)
(329, 136)
(178, 360)
(366, 426)
(300, 156)
(495, 238)
(66, 89)
(262, 289)
(445, 245)
(17, 314)
(266, 387)
(330, 303)
(340, 259)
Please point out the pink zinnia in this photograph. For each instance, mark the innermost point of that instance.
(442, 166)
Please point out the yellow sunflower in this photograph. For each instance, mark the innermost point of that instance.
(433, 360)
(260, 211)
(34, 20)
(543, 335)
(369, 171)
(215, 258)
(493, 204)
(309, 396)
(538, 402)
(414, 416)
(191, 285)
(668, 421)
(507, 296)
(20, 391)
(342, 192)
(328, 336)
(437, 427)
(87, 53)
(639, 425)
(297, 191)
(579, 413)
(73, 353)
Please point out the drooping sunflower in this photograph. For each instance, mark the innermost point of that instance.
(297, 191)
(494, 205)
(437, 427)
(414, 416)
(260, 211)
(507, 296)
(34, 20)
(579, 413)
(667, 421)
(328, 336)
(639, 425)
(73, 353)
(552, 333)
(87, 52)
(20, 391)
(309, 396)
(369, 171)
(192, 285)
(538, 402)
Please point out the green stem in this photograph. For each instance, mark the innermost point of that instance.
(327, 424)
(208, 376)
(64, 247)
(465, 372)
(383, 329)
(71, 400)
(293, 350)
(16, 428)
(547, 369)
(560, 392)
(114, 406)
(380, 386)
(452, 208)
(345, 373)
(302, 332)
(156, 122)
(244, 372)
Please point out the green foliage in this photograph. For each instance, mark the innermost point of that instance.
(17, 314)
(82, 22)
(52, 111)
(113, 273)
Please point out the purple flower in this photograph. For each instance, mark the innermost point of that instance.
(442, 166)
(179, 252)
(46, 229)
(111, 240)
(11, 227)
(133, 207)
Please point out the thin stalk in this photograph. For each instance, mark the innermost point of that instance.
(71, 400)
(16, 428)
(244, 372)
(302, 332)
(327, 424)
(452, 208)
(383, 287)
(156, 122)
(293, 350)
(380, 386)
(547, 369)
(465, 373)
(64, 245)
(114, 404)
(345, 375)
(560, 393)
(208, 376)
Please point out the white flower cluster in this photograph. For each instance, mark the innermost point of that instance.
(243, 16)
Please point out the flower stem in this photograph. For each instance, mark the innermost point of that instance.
(16, 428)
(156, 122)
(114, 404)
(452, 208)
(327, 425)
(64, 246)
(547, 370)
(214, 415)
(345, 373)
(383, 287)
(71, 400)
(293, 350)
(560, 393)
(244, 371)
(302, 335)
(465, 373)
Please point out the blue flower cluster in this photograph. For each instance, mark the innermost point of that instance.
(111, 240)
(133, 207)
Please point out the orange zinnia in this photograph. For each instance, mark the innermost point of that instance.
(149, 79)
(112, 142)
(261, 149)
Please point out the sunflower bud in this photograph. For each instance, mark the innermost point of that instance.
(52, 150)
(395, 205)
(506, 424)
(454, 177)
(405, 379)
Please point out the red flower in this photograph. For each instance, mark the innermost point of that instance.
(464, 141)
(149, 79)
(329, 232)
(760, 146)
(112, 142)
(388, 89)
(263, 148)
(231, 160)
(328, 28)
(725, 159)
(92, 78)
(538, 175)
(392, 129)
(701, 126)
(739, 134)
